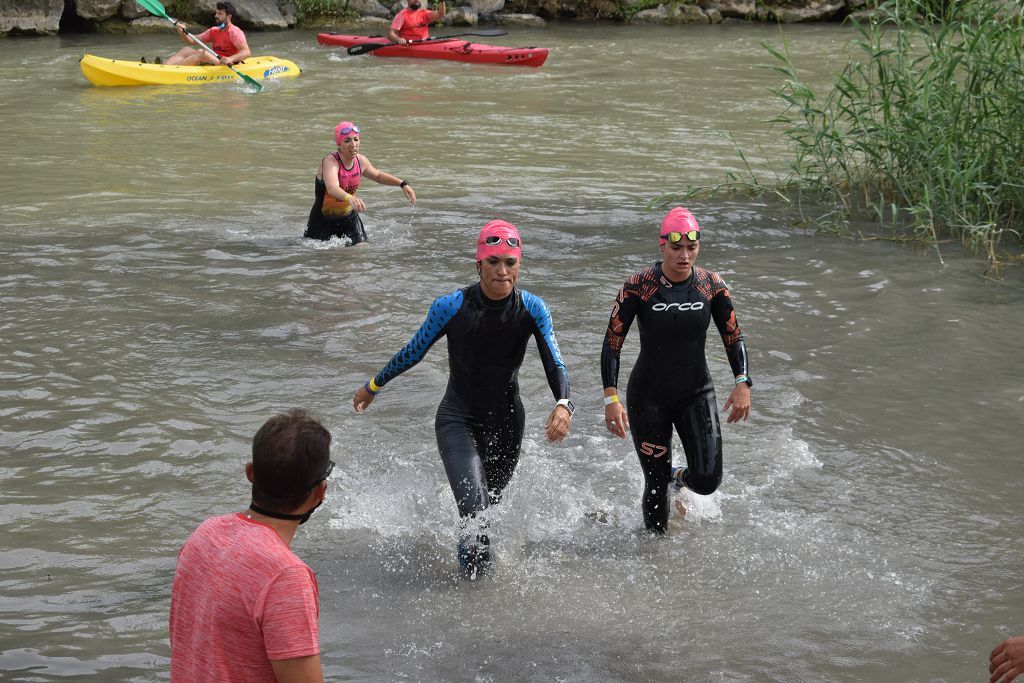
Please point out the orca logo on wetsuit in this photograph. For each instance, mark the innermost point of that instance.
(695, 306)
(653, 449)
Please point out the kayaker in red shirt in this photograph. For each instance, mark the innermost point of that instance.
(226, 39)
(412, 23)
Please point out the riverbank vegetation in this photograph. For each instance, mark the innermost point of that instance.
(922, 131)
(315, 12)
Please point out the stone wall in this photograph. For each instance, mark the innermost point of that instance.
(46, 17)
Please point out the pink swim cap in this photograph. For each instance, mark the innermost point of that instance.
(343, 130)
(677, 220)
(498, 238)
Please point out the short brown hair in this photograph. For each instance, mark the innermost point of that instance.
(290, 454)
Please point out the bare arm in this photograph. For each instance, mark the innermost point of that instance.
(370, 171)
(438, 14)
(243, 53)
(298, 670)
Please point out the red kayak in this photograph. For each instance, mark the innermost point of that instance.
(454, 49)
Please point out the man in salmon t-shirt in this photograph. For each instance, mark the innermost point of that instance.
(226, 39)
(244, 607)
(412, 22)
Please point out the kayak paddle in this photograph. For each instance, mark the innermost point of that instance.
(370, 47)
(154, 7)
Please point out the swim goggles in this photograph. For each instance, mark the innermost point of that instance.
(673, 237)
(495, 240)
(349, 129)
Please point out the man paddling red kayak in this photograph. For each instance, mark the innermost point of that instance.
(446, 47)
(412, 22)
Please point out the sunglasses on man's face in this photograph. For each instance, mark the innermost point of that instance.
(673, 237)
(330, 468)
(495, 240)
(348, 129)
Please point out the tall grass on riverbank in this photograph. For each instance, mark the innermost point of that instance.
(313, 11)
(924, 127)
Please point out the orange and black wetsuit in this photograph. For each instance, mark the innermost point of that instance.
(330, 217)
(670, 385)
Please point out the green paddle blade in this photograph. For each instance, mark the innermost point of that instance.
(249, 80)
(153, 7)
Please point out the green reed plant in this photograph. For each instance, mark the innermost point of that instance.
(324, 9)
(923, 128)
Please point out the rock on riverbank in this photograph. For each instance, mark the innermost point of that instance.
(49, 17)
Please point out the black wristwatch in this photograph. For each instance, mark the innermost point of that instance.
(567, 404)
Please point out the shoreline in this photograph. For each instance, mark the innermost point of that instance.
(24, 19)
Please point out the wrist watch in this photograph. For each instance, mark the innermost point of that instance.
(567, 404)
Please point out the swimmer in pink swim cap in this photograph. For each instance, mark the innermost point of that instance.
(336, 207)
(670, 387)
(480, 423)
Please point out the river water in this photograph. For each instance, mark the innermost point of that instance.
(158, 303)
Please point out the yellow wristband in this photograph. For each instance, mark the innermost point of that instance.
(373, 385)
(608, 400)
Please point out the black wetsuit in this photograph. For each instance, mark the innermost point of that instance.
(480, 420)
(670, 385)
(348, 225)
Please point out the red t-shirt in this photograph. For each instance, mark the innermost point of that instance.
(412, 24)
(225, 42)
(240, 598)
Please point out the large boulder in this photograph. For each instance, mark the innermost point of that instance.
(369, 8)
(731, 8)
(462, 16)
(688, 14)
(668, 14)
(39, 17)
(655, 15)
(97, 10)
(793, 13)
(258, 14)
(521, 20)
(131, 10)
(150, 24)
(487, 6)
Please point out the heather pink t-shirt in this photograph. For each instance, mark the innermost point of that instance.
(225, 42)
(240, 598)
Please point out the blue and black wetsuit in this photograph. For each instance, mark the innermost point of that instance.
(670, 385)
(480, 420)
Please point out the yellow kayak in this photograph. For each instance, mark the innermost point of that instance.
(102, 71)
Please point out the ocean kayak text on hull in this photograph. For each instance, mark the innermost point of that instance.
(454, 49)
(110, 72)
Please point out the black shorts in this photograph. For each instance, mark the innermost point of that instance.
(349, 227)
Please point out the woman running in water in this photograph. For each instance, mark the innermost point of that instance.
(479, 423)
(336, 208)
(670, 385)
